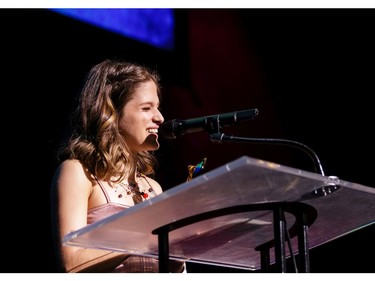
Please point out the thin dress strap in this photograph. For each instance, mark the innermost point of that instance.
(103, 189)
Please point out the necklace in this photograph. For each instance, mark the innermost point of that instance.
(133, 189)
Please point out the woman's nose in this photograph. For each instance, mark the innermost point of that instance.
(158, 117)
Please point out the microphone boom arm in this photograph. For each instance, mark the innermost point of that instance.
(220, 137)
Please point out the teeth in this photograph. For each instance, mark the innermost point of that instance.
(155, 131)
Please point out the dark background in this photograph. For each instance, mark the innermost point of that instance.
(309, 72)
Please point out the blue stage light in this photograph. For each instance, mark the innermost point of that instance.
(151, 26)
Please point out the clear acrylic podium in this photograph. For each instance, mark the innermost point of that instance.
(235, 216)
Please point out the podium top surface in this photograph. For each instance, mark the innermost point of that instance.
(230, 240)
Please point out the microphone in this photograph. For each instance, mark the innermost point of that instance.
(176, 128)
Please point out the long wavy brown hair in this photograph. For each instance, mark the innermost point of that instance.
(95, 139)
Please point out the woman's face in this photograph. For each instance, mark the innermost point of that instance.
(141, 119)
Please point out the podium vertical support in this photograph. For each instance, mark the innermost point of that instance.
(163, 252)
(279, 232)
(303, 243)
(265, 259)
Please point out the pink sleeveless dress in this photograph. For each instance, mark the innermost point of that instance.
(136, 264)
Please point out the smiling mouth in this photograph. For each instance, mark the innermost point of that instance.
(152, 131)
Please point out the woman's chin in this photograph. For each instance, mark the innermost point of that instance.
(152, 142)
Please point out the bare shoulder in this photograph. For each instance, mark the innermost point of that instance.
(71, 165)
(73, 168)
(72, 173)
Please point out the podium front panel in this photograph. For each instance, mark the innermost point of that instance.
(230, 240)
